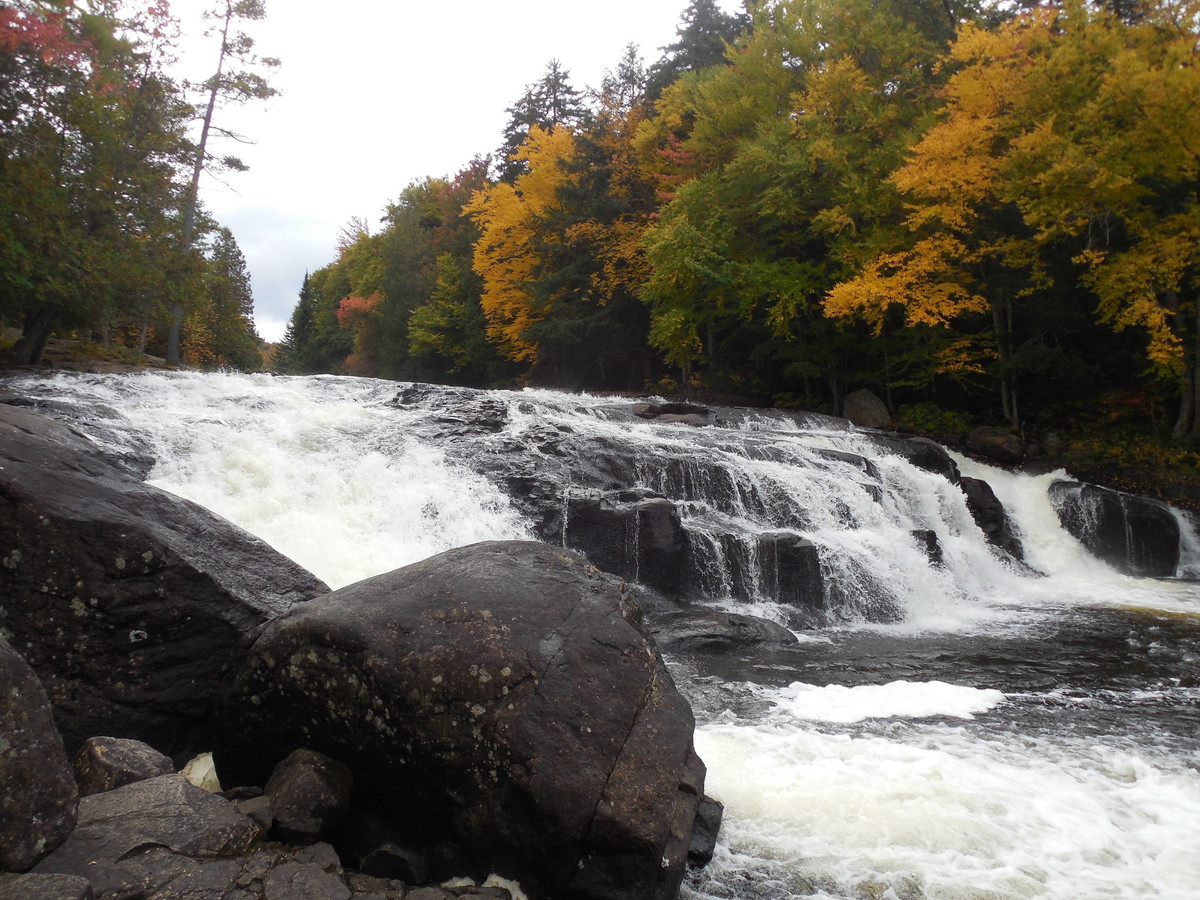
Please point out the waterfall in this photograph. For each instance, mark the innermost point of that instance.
(952, 722)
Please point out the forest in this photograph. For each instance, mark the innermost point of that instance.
(102, 235)
(983, 212)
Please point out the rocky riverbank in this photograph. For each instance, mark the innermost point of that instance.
(446, 724)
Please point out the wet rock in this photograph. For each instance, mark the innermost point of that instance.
(633, 534)
(309, 795)
(712, 631)
(38, 797)
(493, 696)
(999, 444)
(705, 831)
(865, 409)
(927, 540)
(104, 763)
(790, 570)
(989, 514)
(126, 600)
(1134, 535)
(922, 453)
(684, 413)
(45, 887)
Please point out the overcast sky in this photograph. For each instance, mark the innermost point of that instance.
(378, 93)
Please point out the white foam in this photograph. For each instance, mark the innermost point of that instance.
(897, 699)
(961, 817)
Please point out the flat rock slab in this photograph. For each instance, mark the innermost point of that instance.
(125, 599)
(117, 828)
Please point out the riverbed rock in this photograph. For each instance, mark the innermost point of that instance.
(38, 797)
(989, 514)
(922, 453)
(105, 763)
(634, 534)
(691, 631)
(790, 571)
(495, 697)
(1134, 535)
(125, 599)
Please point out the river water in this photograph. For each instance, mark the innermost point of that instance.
(1010, 732)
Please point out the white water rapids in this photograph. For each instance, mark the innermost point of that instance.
(1013, 736)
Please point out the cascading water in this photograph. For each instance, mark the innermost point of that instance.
(971, 729)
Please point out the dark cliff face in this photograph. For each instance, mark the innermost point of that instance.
(126, 600)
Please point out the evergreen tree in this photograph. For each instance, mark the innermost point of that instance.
(701, 37)
(548, 102)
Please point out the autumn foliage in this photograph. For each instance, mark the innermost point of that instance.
(972, 204)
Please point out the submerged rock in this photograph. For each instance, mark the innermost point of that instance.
(126, 600)
(495, 697)
(712, 631)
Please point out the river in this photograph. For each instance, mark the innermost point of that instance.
(1004, 732)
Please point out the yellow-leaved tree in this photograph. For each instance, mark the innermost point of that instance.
(510, 218)
(1065, 162)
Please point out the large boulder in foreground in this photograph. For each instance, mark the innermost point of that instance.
(1134, 535)
(496, 697)
(126, 600)
(38, 797)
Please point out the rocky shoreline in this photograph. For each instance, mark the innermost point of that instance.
(473, 732)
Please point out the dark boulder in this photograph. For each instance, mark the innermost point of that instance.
(495, 697)
(1134, 535)
(989, 514)
(865, 409)
(704, 836)
(999, 444)
(126, 600)
(633, 534)
(104, 763)
(38, 797)
(310, 796)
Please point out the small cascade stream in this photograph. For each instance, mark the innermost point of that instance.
(952, 723)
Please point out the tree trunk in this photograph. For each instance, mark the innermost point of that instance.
(31, 346)
(193, 193)
(1002, 320)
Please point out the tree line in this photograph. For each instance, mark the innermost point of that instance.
(101, 231)
(986, 207)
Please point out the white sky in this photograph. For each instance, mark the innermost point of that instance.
(376, 94)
